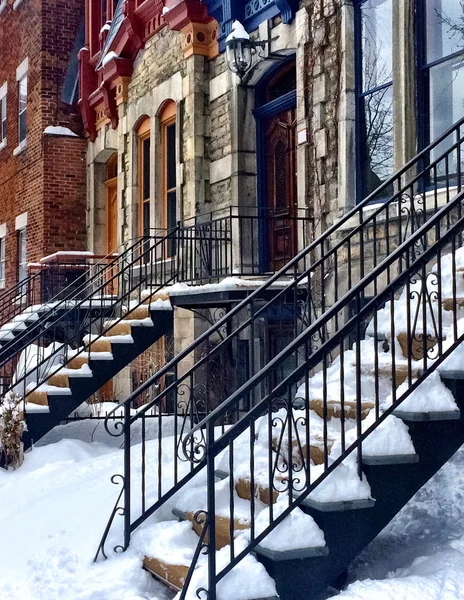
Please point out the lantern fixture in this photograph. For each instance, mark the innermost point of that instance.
(241, 50)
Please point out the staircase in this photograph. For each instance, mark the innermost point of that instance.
(64, 352)
(304, 462)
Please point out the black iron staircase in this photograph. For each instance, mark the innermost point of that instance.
(83, 340)
(358, 266)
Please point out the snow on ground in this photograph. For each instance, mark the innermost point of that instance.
(420, 554)
(53, 511)
(52, 514)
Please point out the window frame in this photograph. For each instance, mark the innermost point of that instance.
(423, 74)
(22, 112)
(3, 259)
(21, 235)
(167, 119)
(361, 95)
(3, 116)
(143, 170)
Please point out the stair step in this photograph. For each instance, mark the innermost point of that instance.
(338, 506)
(448, 415)
(299, 554)
(171, 575)
(222, 526)
(393, 459)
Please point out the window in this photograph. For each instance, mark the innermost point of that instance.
(374, 66)
(22, 264)
(169, 196)
(22, 109)
(442, 69)
(3, 92)
(144, 177)
(2, 5)
(2, 255)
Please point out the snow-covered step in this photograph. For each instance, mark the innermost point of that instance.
(391, 459)
(340, 505)
(297, 554)
(427, 416)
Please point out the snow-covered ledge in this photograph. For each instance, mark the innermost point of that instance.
(16, 3)
(3, 144)
(22, 146)
(58, 130)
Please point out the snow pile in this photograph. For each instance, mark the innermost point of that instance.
(58, 130)
(247, 581)
(432, 395)
(342, 484)
(297, 530)
(390, 438)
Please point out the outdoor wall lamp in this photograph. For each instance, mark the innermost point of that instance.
(241, 50)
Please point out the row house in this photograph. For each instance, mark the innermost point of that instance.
(42, 148)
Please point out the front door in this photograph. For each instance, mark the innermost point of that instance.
(111, 215)
(111, 230)
(280, 136)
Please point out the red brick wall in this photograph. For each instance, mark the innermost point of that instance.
(48, 178)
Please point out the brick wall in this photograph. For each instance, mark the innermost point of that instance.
(46, 179)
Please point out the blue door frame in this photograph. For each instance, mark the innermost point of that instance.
(262, 114)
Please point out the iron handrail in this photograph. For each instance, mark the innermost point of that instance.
(113, 274)
(290, 269)
(208, 447)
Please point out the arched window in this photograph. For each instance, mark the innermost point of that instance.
(143, 147)
(168, 179)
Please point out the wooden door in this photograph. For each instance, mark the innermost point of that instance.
(111, 230)
(111, 215)
(280, 139)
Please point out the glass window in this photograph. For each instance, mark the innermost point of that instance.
(22, 108)
(22, 264)
(442, 73)
(144, 149)
(168, 134)
(2, 261)
(375, 98)
(2, 119)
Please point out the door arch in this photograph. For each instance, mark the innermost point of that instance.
(277, 185)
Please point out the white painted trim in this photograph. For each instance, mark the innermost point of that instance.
(3, 90)
(21, 221)
(22, 146)
(22, 69)
(16, 3)
(2, 230)
(2, 6)
(3, 144)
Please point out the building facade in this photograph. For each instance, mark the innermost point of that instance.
(341, 94)
(42, 150)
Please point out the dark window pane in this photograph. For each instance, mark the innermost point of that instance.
(376, 18)
(280, 171)
(171, 218)
(171, 156)
(444, 28)
(146, 168)
(146, 218)
(378, 136)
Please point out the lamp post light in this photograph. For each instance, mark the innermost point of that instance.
(241, 50)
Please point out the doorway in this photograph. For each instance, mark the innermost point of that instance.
(277, 167)
(111, 185)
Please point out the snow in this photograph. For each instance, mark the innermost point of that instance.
(58, 130)
(431, 396)
(298, 530)
(391, 437)
(109, 57)
(238, 32)
(172, 542)
(84, 254)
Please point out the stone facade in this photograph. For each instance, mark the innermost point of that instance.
(45, 176)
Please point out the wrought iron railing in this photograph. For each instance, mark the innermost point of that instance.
(240, 241)
(91, 309)
(299, 298)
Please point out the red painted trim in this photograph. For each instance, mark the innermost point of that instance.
(184, 12)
